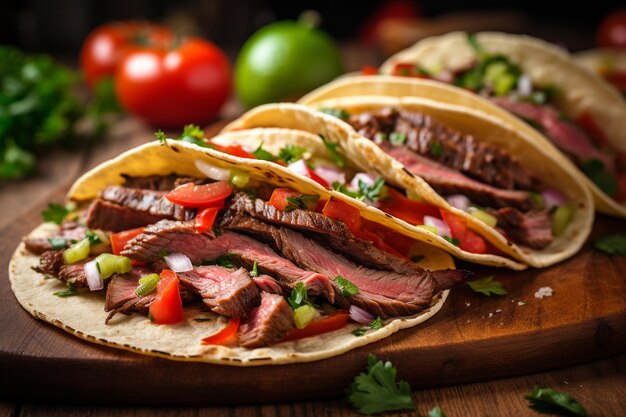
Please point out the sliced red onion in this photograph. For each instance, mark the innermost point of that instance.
(299, 167)
(366, 178)
(331, 174)
(552, 198)
(213, 172)
(524, 85)
(94, 279)
(459, 201)
(360, 316)
(442, 227)
(178, 262)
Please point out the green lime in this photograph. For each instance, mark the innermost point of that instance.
(284, 60)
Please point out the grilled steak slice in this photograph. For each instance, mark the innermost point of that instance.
(153, 182)
(447, 181)
(267, 284)
(533, 229)
(330, 231)
(51, 263)
(267, 324)
(69, 231)
(182, 237)
(104, 215)
(149, 201)
(454, 149)
(228, 292)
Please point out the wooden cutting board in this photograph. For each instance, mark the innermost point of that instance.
(472, 338)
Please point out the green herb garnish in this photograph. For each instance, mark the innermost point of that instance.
(291, 153)
(162, 253)
(304, 202)
(93, 237)
(487, 286)
(455, 242)
(549, 401)
(346, 288)
(343, 188)
(371, 192)
(255, 270)
(332, 150)
(376, 389)
(298, 297)
(224, 261)
(437, 149)
(338, 113)
(612, 244)
(397, 138)
(260, 153)
(595, 170)
(57, 243)
(376, 324)
(71, 291)
(436, 412)
(160, 137)
(55, 213)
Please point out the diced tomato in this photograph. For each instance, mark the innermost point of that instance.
(280, 195)
(392, 241)
(194, 196)
(224, 334)
(205, 218)
(369, 70)
(469, 240)
(341, 210)
(236, 150)
(324, 325)
(404, 69)
(411, 211)
(321, 181)
(320, 205)
(120, 239)
(589, 125)
(167, 307)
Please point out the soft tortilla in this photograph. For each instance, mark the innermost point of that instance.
(370, 158)
(84, 315)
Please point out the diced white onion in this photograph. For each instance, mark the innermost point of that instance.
(362, 176)
(524, 85)
(94, 279)
(299, 167)
(459, 201)
(213, 172)
(440, 225)
(552, 198)
(360, 316)
(330, 174)
(178, 262)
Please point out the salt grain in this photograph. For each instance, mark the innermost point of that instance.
(543, 292)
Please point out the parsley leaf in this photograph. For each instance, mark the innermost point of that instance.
(455, 242)
(376, 389)
(346, 288)
(372, 192)
(338, 113)
(160, 137)
(376, 324)
(612, 244)
(255, 270)
(67, 293)
(260, 153)
(304, 202)
(332, 150)
(291, 153)
(548, 401)
(93, 237)
(487, 286)
(595, 170)
(298, 297)
(57, 243)
(343, 188)
(397, 138)
(55, 213)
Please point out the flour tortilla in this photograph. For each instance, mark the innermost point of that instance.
(580, 90)
(602, 59)
(84, 315)
(364, 154)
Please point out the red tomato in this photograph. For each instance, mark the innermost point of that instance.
(174, 86)
(321, 181)
(469, 240)
(119, 240)
(589, 125)
(205, 218)
(326, 324)
(340, 210)
(224, 334)
(105, 46)
(236, 150)
(279, 197)
(194, 196)
(612, 30)
(402, 207)
(369, 70)
(167, 307)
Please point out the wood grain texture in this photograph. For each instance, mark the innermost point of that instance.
(8, 409)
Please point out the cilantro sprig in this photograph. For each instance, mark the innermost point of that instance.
(548, 401)
(376, 390)
(612, 244)
(263, 154)
(332, 151)
(371, 192)
(56, 213)
(338, 113)
(71, 291)
(291, 153)
(298, 296)
(376, 324)
(487, 286)
(346, 287)
(191, 134)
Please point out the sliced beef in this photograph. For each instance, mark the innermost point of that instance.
(447, 181)
(181, 237)
(69, 231)
(267, 284)
(51, 263)
(148, 201)
(226, 291)
(456, 150)
(159, 182)
(533, 229)
(104, 215)
(267, 324)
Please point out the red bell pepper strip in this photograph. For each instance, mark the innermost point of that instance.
(469, 241)
(340, 210)
(224, 334)
(167, 307)
(321, 181)
(411, 211)
(194, 196)
(120, 239)
(324, 325)
(205, 218)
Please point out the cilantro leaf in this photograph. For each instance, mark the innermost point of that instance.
(260, 153)
(548, 401)
(346, 288)
(343, 188)
(193, 131)
(160, 137)
(397, 138)
(376, 324)
(338, 113)
(376, 389)
(93, 237)
(595, 170)
(163, 253)
(455, 242)
(332, 150)
(255, 270)
(487, 286)
(191, 134)
(57, 243)
(224, 261)
(304, 202)
(436, 412)
(436, 149)
(55, 213)
(372, 192)
(612, 244)
(291, 153)
(298, 297)
(71, 291)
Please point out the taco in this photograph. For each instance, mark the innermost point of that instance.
(479, 189)
(242, 254)
(608, 63)
(577, 114)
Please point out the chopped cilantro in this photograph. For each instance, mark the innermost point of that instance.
(380, 137)
(163, 253)
(304, 202)
(192, 131)
(376, 389)
(191, 134)
(437, 149)
(343, 188)
(346, 288)
(332, 150)
(291, 153)
(338, 113)
(612, 244)
(417, 258)
(260, 153)
(57, 243)
(255, 270)
(473, 42)
(298, 296)
(160, 136)
(436, 412)
(55, 213)
(455, 242)
(595, 170)
(93, 237)
(397, 138)
(224, 261)
(549, 401)
(376, 324)
(372, 192)
(487, 286)
(67, 293)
